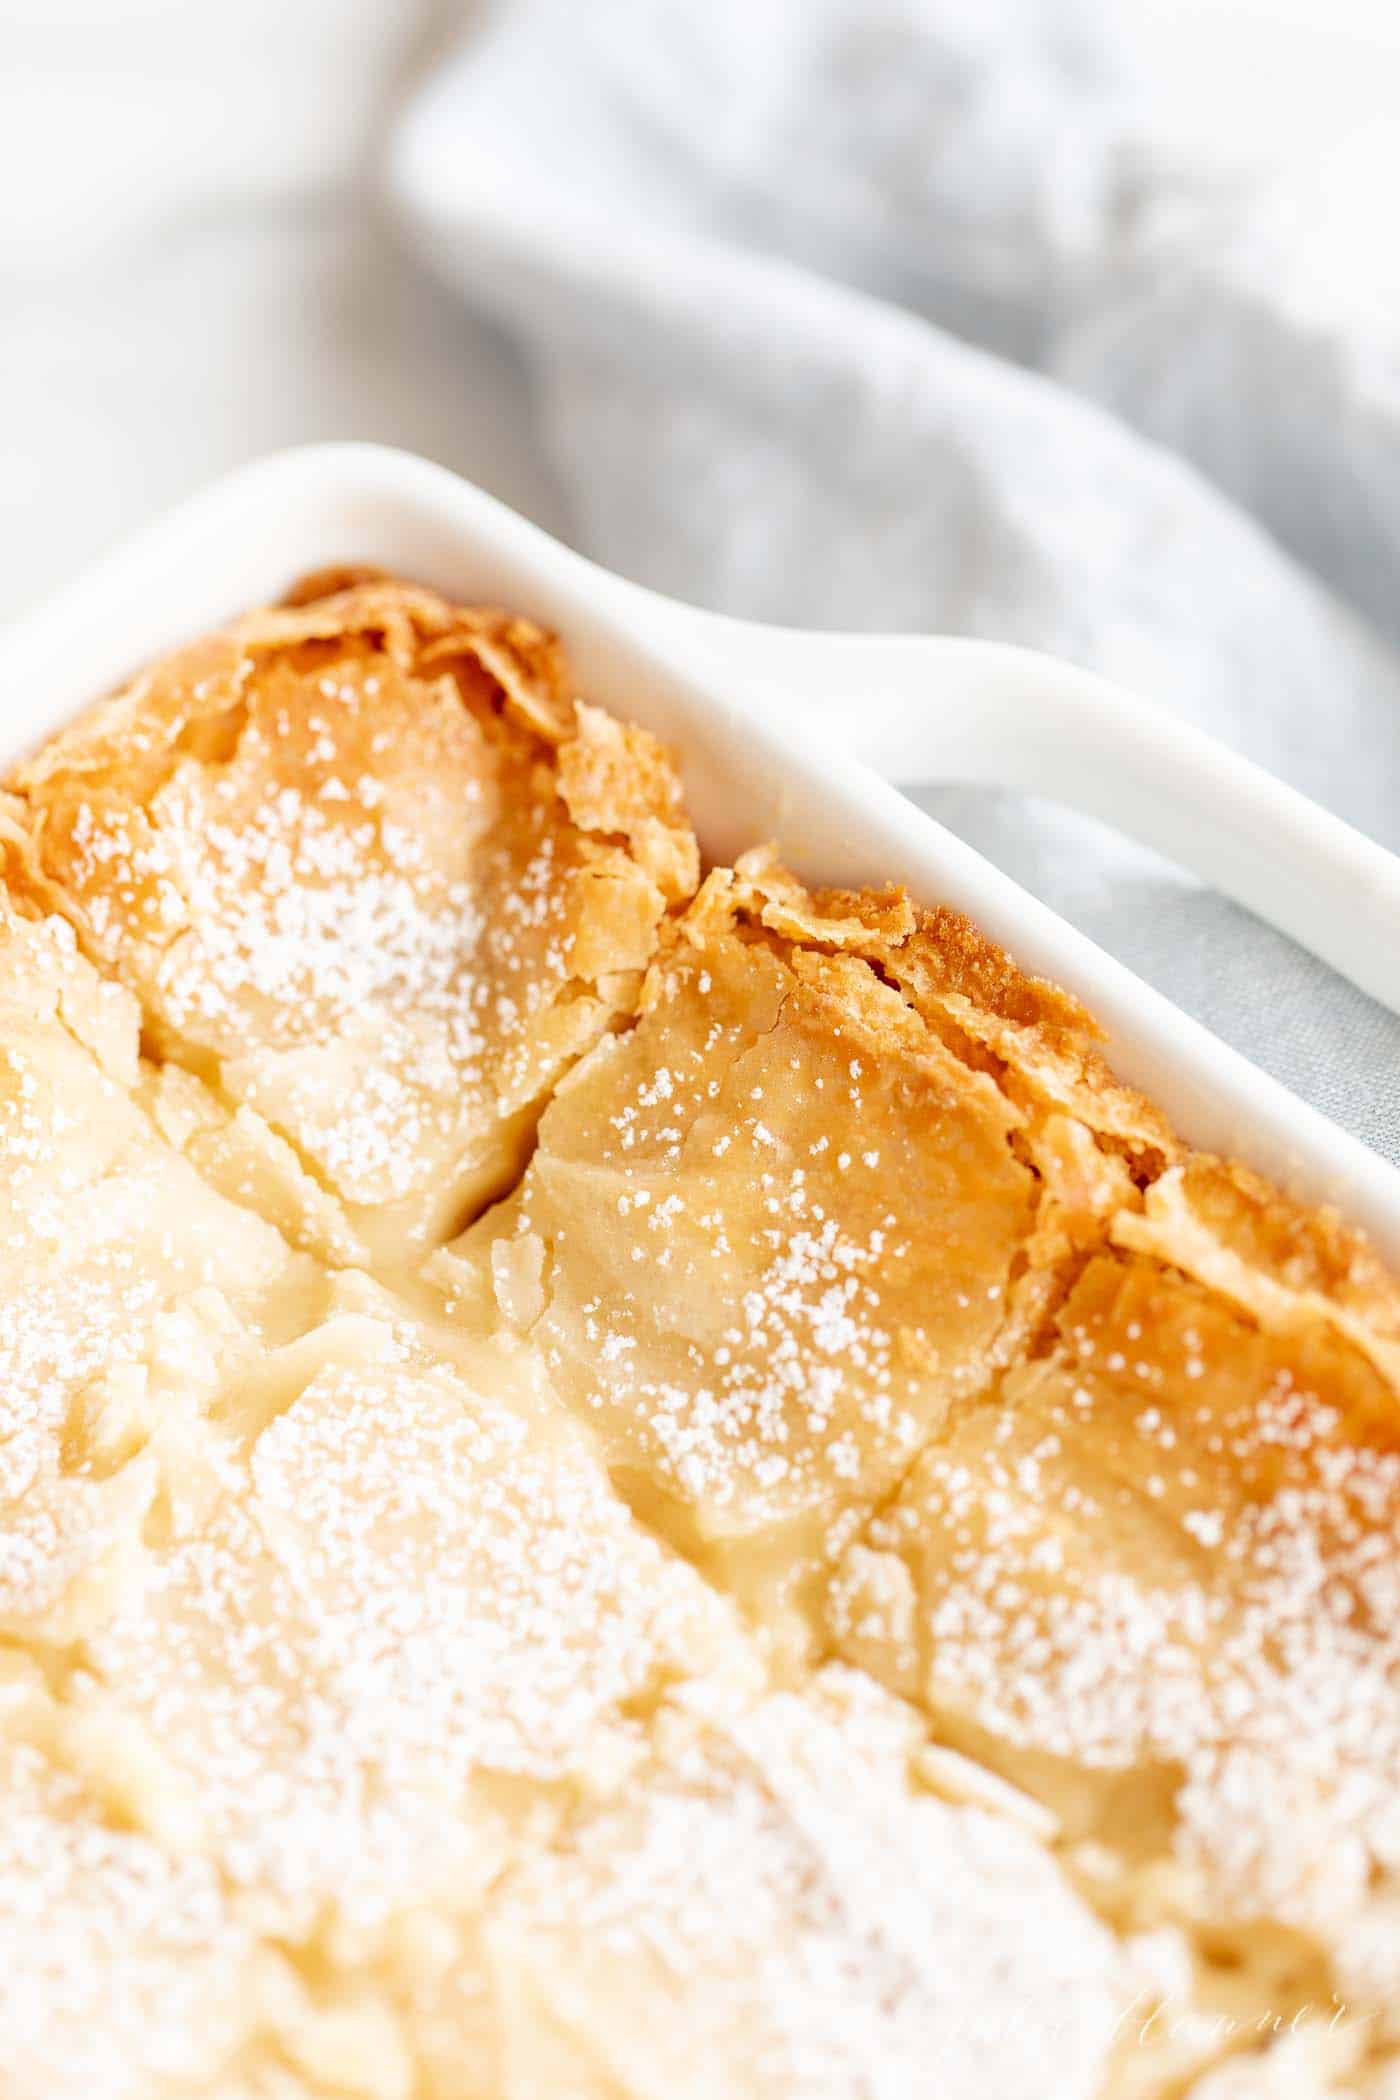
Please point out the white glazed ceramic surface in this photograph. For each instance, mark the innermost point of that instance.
(730, 699)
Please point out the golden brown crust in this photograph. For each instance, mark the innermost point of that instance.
(165, 708)
(1039, 1041)
(1307, 1254)
(617, 781)
(891, 1221)
(374, 874)
(1045, 1048)
(860, 920)
(330, 581)
(1159, 1541)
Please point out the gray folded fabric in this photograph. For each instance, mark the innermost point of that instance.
(1260, 339)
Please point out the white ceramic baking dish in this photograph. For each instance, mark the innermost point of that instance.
(730, 698)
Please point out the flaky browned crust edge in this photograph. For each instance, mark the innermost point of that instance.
(1043, 1047)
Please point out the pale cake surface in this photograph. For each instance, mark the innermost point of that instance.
(799, 1917)
(127, 1287)
(398, 1617)
(615, 1487)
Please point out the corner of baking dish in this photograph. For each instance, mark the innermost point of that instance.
(755, 767)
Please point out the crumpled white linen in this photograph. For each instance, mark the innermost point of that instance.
(1261, 340)
(760, 256)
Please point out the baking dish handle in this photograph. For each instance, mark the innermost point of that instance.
(921, 709)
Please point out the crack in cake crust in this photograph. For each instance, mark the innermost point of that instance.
(774, 1232)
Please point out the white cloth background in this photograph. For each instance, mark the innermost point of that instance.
(813, 304)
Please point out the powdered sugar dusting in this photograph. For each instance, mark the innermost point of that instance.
(362, 906)
(109, 1245)
(411, 1593)
(760, 1307)
(122, 1971)
(771, 1910)
(1128, 1565)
